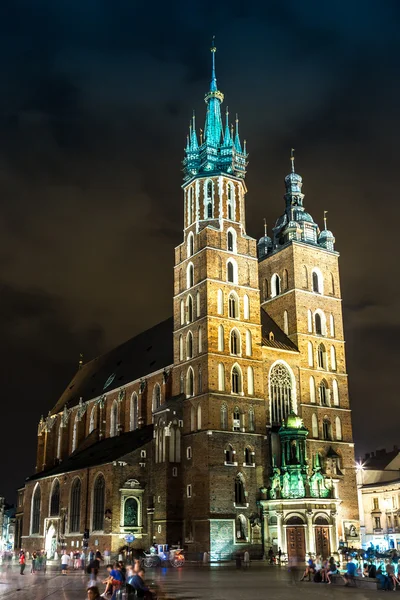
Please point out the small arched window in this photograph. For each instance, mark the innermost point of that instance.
(236, 419)
(190, 244)
(317, 281)
(312, 390)
(310, 354)
(324, 393)
(230, 241)
(233, 306)
(248, 457)
(190, 382)
(236, 380)
(314, 426)
(182, 312)
(231, 271)
(55, 499)
(338, 427)
(199, 417)
(190, 276)
(246, 307)
(189, 309)
(240, 495)
(134, 412)
(156, 396)
(285, 280)
(221, 342)
(220, 302)
(36, 506)
(224, 417)
(318, 324)
(275, 285)
(332, 325)
(189, 345)
(321, 356)
(181, 347)
(235, 342)
(333, 358)
(326, 429)
(249, 348)
(192, 418)
(231, 202)
(200, 339)
(221, 377)
(335, 393)
(250, 381)
(209, 199)
(251, 419)
(286, 322)
(75, 510)
(114, 419)
(98, 503)
(198, 304)
(229, 455)
(309, 321)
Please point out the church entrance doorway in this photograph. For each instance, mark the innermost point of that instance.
(322, 543)
(296, 540)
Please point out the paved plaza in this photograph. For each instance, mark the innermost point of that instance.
(189, 583)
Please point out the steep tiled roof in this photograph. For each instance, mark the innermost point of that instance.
(100, 453)
(149, 351)
(279, 339)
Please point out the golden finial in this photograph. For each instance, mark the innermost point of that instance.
(213, 48)
(265, 227)
(325, 219)
(292, 158)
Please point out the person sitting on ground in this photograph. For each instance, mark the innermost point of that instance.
(137, 582)
(310, 570)
(93, 593)
(351, 571)
(331, 570)
(114, 580)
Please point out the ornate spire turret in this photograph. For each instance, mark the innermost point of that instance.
(217, 153)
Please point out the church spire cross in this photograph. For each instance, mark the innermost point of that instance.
(292, 159)
(213, 85)
(325, 220)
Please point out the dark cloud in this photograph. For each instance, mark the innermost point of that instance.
(94, 111)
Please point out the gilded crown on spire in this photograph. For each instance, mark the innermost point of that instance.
(219, 150)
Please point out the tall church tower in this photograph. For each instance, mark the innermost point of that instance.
(217, 337)
(300, 288)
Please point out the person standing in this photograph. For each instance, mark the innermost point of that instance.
(22, 562)
(64, 563)
(279, 556)
(34, 558)
(83, 560)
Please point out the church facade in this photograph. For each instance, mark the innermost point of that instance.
(227, 426)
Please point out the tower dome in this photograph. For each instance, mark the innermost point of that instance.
(264, 244)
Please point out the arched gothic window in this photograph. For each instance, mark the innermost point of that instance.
(75, 509)
(114, 419)
(248, 456)
(249, 349)
(190, 276)
(310, 354)
(324, 393)
(36, 505)
(317, 282)
(134, 412)
(198, 304)
(221, 377)
(55, 499)
(314, 426)
(240, 495)
(189, 309)
(266, 290)
(92, 420)
(235, 342)
(251, 419)
(98, 503)
(181, 347)
(236, 378)
(199, 417)
(181, 383)
(326, 429)
(229, 455)
(192, 418)
(333, 358)
(224, 417)
(338, 427)
(281, 390)
(200, 339)
(312, 390)
(182, 312)
(335, 393)
(321, 356)
(246, 307)
(209, 199)
(241, 528)
(233, 306)
(250, 381)
(220, 302)
(275, 285)
(236, 419)
(156, 396)
(131, 512)
(231, 202)
(190, 244)
(190, 382)
(231, 271)
(318, 324)
(189, 345)
(286, 322)
(221, 338)
(230, 241)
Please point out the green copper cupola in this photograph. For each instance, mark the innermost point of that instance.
(219, 151)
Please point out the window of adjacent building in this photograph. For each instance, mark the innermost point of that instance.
(98, 503)
(236, 420)
(240, 494)
(280, 384)
(235, 342)
(236, 380)
(221, 377)
(375, 503)
(233, 306)
(189, 490)
(377, 521)
(326, 429)
(55, 499)
(275, 285)
(229, 455)
(75, 507)
(248, 456)
(36, 505)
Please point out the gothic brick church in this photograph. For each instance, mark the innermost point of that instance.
(227, 426)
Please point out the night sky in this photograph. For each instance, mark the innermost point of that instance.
(95, 103)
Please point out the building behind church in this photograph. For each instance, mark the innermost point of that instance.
(227, 426)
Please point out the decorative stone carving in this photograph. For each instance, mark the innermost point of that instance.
(142, 386)
(81, 409)
(65, 416)
(131, 484)
(121, 395)
(101, 401)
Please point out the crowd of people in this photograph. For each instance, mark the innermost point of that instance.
(131, 577)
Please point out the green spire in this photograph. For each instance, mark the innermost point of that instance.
(194, 146)
(227, 136)
(238, 146)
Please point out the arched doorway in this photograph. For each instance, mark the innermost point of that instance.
(322, 543)
(295, 538)
(50, 542)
